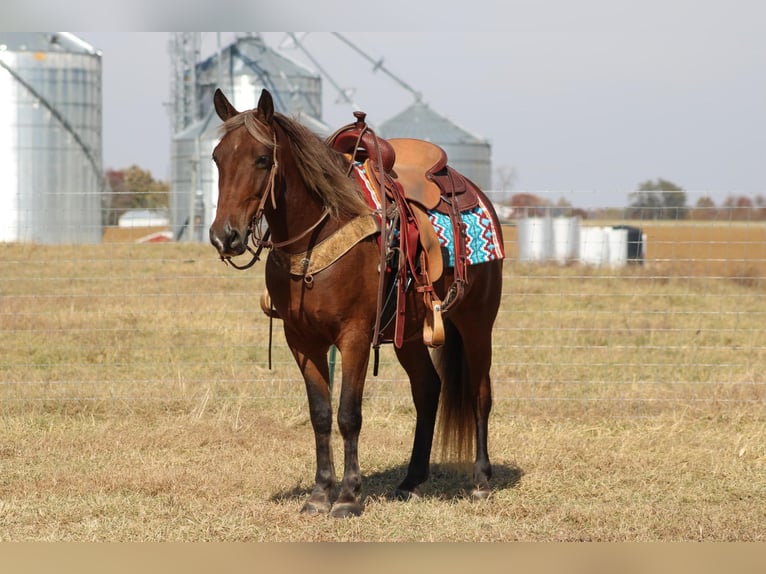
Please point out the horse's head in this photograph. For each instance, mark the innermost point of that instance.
(246, 165)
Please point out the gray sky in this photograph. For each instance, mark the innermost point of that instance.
(588, 98)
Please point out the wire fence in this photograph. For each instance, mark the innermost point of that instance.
(677, 323)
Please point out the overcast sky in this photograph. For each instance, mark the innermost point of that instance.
(590, 98)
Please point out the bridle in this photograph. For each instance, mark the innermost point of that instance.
(261, 241)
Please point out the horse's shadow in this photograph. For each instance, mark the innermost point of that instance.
(446, 482)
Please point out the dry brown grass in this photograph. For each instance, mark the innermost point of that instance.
(135, 405)
(242, 474)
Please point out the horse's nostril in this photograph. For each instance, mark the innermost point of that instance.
(234, 238)
(215, 240)
(227, 239)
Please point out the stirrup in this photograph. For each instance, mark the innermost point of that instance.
(266, 306)
(433, 326)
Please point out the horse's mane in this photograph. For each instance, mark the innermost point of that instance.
(323, 170)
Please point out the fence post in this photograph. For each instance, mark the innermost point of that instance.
(333, 352)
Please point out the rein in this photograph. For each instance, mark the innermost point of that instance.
(256, 257)
(263, 242)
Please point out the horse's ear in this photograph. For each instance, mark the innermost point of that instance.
(266, 105)
(223, 107)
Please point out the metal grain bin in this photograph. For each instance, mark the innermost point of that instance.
(248, 65)
(50, 139)
(194, 180)
(467, 152)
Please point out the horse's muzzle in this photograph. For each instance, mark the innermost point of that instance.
(229, 241)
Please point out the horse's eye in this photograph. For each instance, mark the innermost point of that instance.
(263, 161)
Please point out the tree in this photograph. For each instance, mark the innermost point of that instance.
(528, 205)
(645, 205)
(760, 206)
(659, 199)
(738, 207)
(504, 177)
(134, 188)
(704, 209)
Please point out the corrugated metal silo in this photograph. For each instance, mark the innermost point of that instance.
(194, 181)
(467, 152)
(247, 66)
(50, 139)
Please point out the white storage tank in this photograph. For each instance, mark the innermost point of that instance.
(617, 240)
(535, 238)
(51, 179)
(609, 246)
(566, 239)
(594, 246)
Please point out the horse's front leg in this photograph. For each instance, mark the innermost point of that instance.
(355, 353)
(316, 376)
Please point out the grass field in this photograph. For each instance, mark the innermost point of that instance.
(136, 404)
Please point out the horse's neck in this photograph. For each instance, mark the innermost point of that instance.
(297, 210)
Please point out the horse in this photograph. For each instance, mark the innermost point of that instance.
(271, 167)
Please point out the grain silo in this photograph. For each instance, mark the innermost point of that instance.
(50, 139)
(467, 152)
(241, 69)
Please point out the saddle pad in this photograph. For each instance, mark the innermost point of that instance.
(483, 239)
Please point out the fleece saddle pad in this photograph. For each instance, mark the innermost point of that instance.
(483, 239)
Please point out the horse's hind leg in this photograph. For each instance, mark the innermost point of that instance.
(482, 469)
(475, 326)
(425, 386)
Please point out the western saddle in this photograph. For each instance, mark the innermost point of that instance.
(411, 177)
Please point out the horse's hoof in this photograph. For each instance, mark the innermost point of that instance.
(479, 494)
(315, 507)
(346, 510)
(406, 495)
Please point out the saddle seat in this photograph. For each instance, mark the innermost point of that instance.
(421, 168)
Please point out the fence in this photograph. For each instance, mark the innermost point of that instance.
(121, 322)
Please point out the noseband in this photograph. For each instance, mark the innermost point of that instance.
(262, 241)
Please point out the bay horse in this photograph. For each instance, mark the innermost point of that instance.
(270, 165)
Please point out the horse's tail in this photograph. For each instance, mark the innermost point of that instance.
(456, 430)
